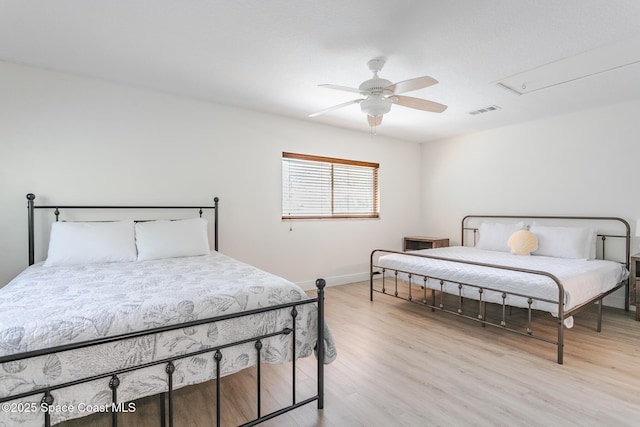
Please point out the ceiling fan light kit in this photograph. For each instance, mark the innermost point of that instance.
(376, 105)
(380, 94)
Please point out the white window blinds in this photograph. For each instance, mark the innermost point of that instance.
(324, 187)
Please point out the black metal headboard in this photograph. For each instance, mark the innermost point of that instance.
(31, 206)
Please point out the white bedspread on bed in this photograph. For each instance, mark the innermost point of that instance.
(51, 306)
(581, 279)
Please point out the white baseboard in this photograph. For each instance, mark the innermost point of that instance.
(309, 285)
(615, 299)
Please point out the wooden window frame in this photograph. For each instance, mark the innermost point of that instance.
(333, 161)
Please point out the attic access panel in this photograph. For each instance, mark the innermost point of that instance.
(590, 63)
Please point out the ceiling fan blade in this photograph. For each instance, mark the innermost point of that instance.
(418, 104)
(343, 88)
(374, 121)
(335, 107)
(412, 84)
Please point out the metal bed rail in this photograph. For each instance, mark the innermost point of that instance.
(47, 403)
(481, 314)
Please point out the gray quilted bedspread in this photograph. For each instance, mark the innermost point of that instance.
(50, 306)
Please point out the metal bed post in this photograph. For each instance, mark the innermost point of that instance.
(47, 400)
(169, 369)
(215, 223)
(560, 324)
(30, 198)
(371, 276)
(217, 357)
(258, 347)
(294, 314)
(114, 383)
(320, 284)
(628, 258)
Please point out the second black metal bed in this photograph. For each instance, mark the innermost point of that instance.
(415, 282)
(112, 378)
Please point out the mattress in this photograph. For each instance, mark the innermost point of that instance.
(582, 279)
(50, 306)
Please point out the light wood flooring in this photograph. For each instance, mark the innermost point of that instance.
(399, 364)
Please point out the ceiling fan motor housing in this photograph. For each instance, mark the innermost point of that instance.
(376, 104)
(375, 85)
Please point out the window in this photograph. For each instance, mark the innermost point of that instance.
(324, 187)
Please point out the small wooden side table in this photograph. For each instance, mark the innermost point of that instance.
(415, 243)
(634, 289)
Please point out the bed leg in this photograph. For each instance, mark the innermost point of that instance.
(481, 312)
(396, 283)
(217, 357)
(371, 274)
(599, 318)
(371, 285)
(529, 302)
(320, 284)
(163, 421)
(424, 288)
(627, 295)
(170, 369)
(560, 339)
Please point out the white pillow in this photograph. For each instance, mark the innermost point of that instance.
(91, 242)
(494, 236)
(564, 242)
(172, 239)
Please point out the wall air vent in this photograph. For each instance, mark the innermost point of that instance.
(485, 110)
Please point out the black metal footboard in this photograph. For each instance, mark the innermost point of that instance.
(436, 300)
(112, 379)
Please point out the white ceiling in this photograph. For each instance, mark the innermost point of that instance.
(271, 55)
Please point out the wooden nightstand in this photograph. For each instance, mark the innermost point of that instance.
(634, 289)
(417, 242)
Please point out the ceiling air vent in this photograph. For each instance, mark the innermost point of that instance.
(484, 110)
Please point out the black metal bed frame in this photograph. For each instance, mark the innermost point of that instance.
(166, 398)
(481, 315)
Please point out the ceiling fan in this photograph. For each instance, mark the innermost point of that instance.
(381, 93)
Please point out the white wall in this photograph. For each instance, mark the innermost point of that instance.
(77, 140)
(578, 164)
